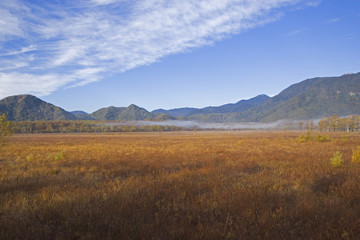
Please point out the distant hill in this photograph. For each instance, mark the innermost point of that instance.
(135, 112)
(240, 106)
(176, 112)
(109, 113)
(129, 113)
(309, 99)
(81, 115)
(31, 108)
(313, 99)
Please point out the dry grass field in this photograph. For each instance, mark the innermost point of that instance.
(183, 185)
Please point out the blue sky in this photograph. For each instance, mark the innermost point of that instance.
(88, 54)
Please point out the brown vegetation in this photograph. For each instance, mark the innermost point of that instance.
(185, 185)
(5, 130)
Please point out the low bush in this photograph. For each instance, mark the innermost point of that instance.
(305, 138)
(356, 155)
(337, 160)
(323, 138)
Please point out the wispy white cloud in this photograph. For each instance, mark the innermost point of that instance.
(21, 83)
(333, 20)
(54, 46)
(87, 75)
(296, 32)
(9, 25)
(17, 52)
(313, 3)
(10, 65)
(103, 2)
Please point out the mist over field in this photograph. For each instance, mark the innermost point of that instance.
(204, 125)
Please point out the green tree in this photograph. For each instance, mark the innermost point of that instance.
(5, 130)
(333, 123)
(323, 124)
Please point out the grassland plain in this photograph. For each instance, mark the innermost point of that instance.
(179, 185)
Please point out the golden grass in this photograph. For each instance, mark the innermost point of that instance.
(187, 185)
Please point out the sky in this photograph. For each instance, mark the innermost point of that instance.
(89, 54)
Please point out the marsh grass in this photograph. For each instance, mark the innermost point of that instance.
(186, 185)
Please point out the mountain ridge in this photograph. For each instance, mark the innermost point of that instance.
(308, 99)
(239, 106)
(26, 107)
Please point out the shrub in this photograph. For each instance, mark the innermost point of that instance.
(305, 138)
(29, 157)
(322, 138)
(337, 160)
(59, 156)
(356, 155)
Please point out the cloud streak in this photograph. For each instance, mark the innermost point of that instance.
(334, 20)
(72, 44)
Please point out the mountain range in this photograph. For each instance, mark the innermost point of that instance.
(30, 108)
(309, 99)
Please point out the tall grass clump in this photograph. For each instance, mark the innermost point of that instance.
(323, 138)
(356, 155)
(60, 156)
(337, 160)
(305, 137)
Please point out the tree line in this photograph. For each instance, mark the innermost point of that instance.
(84, 126)
(337, 124)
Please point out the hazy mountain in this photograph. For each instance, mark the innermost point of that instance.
(240, 106)
(76, 113)
(81, 115)
(176, 112)
(31, 108)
